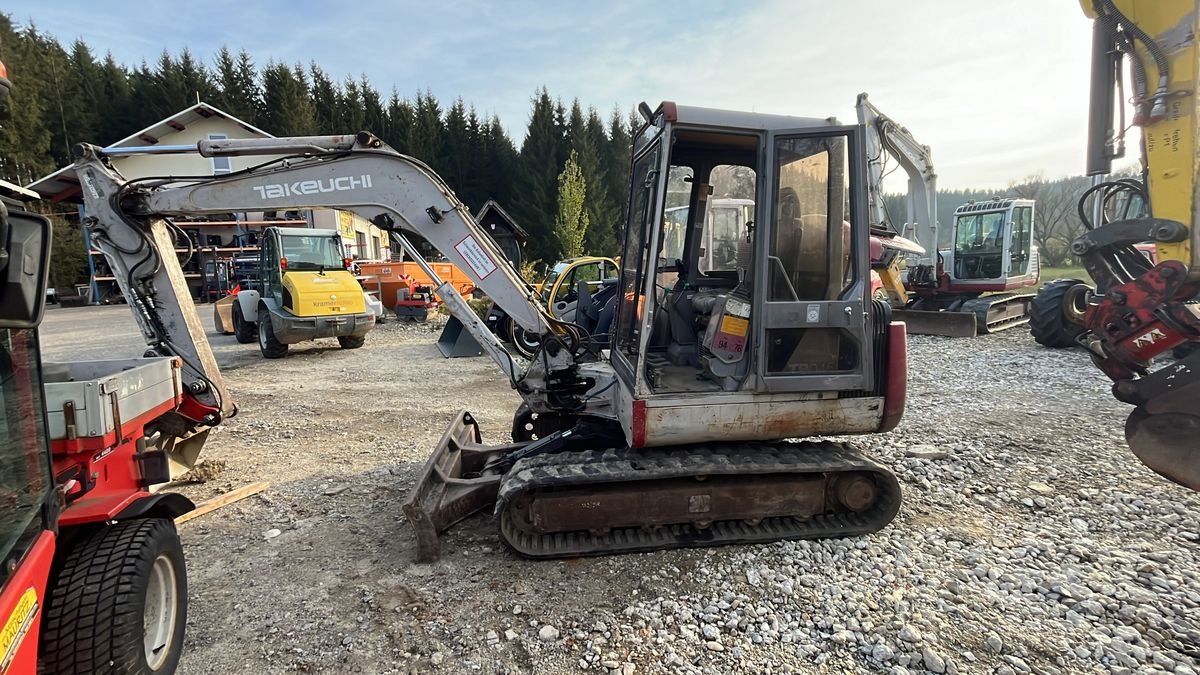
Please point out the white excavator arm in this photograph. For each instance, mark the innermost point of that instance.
(885, 135)
(359, 174)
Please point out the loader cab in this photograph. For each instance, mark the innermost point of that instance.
(745, 263)
(993, 245)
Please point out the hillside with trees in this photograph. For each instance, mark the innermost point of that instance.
(566, 182)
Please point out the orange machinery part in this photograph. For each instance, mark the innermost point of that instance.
(394, 276)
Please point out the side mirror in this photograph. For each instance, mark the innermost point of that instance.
(24, 266)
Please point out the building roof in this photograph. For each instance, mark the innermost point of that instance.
(62, 185)
(491, 205)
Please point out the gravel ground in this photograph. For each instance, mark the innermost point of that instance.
(1030, 539)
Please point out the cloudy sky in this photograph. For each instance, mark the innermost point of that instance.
(998, 89)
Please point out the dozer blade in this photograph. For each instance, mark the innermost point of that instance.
(1164, 430)
(454, 484)
(949, 324)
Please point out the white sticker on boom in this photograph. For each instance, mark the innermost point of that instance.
(814, 313)
(476, 256)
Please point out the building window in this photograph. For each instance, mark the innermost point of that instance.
(220, 165)
(360, 238)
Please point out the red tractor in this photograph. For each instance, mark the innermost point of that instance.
(93, 577)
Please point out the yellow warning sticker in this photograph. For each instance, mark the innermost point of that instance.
(17, 627)
(732, 325)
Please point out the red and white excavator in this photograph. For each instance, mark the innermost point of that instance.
(983, 282)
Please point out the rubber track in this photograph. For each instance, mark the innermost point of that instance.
(574, 469)
(981, 306)
(92, 611)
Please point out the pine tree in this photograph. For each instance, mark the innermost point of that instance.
(143, 98)
(24, 134)
(287, 106)
(113, 88)
(425, 135)
(617, 160)
(353, 114)
(238, 92)
(457, 159)
(536, 182)
(600, 238)
(499, 160)
(374, 117)
(81, 115)
(178, 84)
(325, 99)
(400, 122)
(197, 81)
(603, 212)
(571, 220)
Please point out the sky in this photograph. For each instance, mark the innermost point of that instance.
(997, 89)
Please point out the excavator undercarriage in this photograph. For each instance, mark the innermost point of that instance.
(582, 492)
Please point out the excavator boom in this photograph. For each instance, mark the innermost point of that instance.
(352, 173)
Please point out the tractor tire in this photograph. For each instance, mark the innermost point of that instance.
(243, 330)
(881, 295)
(1047, 322)
(351, 342)
(267, 344)
(118, 603)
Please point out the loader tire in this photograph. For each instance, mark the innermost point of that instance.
(118, 603)
(243, 330)
(351, 342)
(1047, 321)
(267, 344)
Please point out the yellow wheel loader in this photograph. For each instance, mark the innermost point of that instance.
(304, 291)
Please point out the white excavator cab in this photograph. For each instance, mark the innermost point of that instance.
(993, 245)
(728, 328)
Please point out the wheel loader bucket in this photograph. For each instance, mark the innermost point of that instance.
(454, 483)
(223, 314)
(949, 324)
(456, 341)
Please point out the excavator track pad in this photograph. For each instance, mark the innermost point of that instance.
(620, 500)
(623, 500)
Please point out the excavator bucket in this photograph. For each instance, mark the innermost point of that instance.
(1163, 430)
(454, 484)
(949, 324)
(456, 341)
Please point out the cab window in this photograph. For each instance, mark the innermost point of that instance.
(24, 474)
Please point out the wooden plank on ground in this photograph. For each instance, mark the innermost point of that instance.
(222, 500)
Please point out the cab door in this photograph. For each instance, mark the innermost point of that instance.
(810, 301)
(269, 273)
(1020, 244)
(564, 298)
